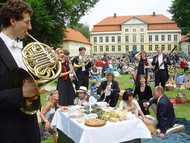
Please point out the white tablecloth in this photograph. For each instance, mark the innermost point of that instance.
(112, 132)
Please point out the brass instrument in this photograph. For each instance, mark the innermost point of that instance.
(44, 68)
(81, 62)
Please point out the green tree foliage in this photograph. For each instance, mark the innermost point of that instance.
(180, 10)
(82, 28)
(51, 17)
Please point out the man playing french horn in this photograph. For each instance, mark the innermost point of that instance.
(15, 125)
(82, 66)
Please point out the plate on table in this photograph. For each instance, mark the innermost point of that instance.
(77, 115)
(101, 104)
(65, 109)
(74, 107)
(107, 109)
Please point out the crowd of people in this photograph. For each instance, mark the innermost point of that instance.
(16, 126)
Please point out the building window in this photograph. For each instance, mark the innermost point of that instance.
(95, 48)
(134, 39)
(142, 47)
(169, 38)
(156, 37)
(101, 48)
(113, 48)
(163, 37)
(127, 30)
(126, 39)
(127, 47)
(150, 47)
(119, 48)
(101, 39)
(156, 47)
(107, 48)
(150, 38)
(163, 47)
(169, 47)
(175, 38)
(134, 30)
(141, 30)
(113, 38)
(142, 38)
(95, 39)
(119, 39)
(134, 48)
(107, 39)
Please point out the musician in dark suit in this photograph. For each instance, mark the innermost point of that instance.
(109, 90)
(83, 71)
(162, 74)
(164, 112)
(15, 126)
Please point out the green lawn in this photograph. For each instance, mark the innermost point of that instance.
(180, 112)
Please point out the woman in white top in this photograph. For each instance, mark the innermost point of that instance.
(49, 108)
(131, 105)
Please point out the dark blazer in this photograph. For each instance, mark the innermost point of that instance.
(114, 94)
(15, 126)
(87, 67)
(156, 64)
(165, 113)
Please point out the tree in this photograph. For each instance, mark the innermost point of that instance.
(1, 4)
(51, 17)
(180, 10)
(82, 28)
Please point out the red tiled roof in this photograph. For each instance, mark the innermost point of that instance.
(74, 35)
(162, 26)
(113, 23)
(107, 28)
(185, 37)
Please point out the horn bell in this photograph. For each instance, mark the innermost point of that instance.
(43, 68)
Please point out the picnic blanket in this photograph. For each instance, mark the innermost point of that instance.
(181, 137)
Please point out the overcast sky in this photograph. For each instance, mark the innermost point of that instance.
(105, 8)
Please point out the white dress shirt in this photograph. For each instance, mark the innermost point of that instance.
(15, 52)
(160, 60)
(83, 67)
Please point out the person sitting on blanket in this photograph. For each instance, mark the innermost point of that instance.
(164, 110)
(48, 112)
(83, 96)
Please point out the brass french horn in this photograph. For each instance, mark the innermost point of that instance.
(43, 68)
(81, 62)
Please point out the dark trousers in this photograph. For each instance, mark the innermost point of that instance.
(161, 76)
(83, 80)
(112, 99)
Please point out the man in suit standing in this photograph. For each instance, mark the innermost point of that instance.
(162, 74)
(83, 71)
(15, 126)
(164, 110)
(109, 90)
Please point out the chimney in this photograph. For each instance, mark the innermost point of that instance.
(154, 14)
(114, 15)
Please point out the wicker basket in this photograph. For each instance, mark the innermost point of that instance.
(182, 98)
(169, 88)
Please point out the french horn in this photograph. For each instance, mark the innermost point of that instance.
(43, 68)
(81, 62)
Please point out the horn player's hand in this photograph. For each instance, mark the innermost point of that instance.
(29, 88)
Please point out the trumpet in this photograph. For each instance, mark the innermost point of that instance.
(43, 68)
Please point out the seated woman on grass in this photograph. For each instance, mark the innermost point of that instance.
(131, 105)
(48, 112)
